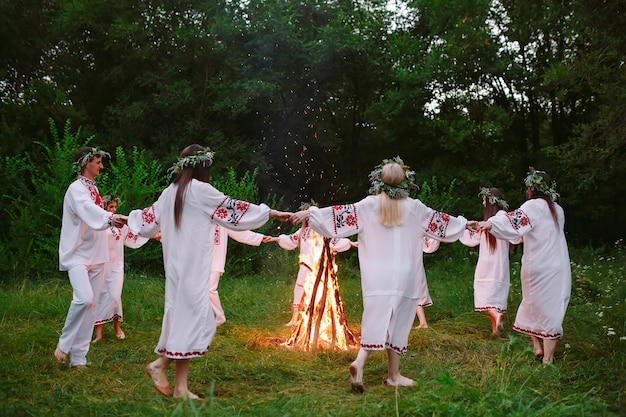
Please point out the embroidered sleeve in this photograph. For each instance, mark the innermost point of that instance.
(519, 220)
(439, 224)
(231, 210)
(345, 216)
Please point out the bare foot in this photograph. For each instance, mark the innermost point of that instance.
(159, 377)
(188, 395)
(421, 326)
(289, 324)
(97, 339)
(60, 356)
(120, 335)
(356, 377)
(400, 381)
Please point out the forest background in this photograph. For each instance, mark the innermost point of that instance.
(300, 100)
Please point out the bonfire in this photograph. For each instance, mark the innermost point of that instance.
(321, 322)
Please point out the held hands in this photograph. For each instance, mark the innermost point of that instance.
(282, 216)
(119, 220)
(299, 217)
(486, 225)
(269, 239)
(472, 225)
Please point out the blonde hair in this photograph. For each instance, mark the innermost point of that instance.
(391, 208)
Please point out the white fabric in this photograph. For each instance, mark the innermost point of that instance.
(82, 241)
(110, 301)
(492, 275)
(311, 245)
(188, 320)
(220, 249)
(424, 300)
(390, 258)
(222, 234)
(82, 252)
(546, 272)
(76, 334)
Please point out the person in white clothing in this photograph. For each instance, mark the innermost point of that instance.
(546, 272)
(430, 246)
(492, 275)
(311, 245)
(220, 249)
(186, 214)
(110, 301)
(390, 227)
(83, 253)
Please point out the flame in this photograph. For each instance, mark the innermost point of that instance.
(321, 322)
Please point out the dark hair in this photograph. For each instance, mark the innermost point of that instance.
(82, 151)
(199, 172)
(490, 210)
(534, 193)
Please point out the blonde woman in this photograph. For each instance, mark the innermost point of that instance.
(390, 227)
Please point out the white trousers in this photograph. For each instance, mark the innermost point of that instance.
(87, 281)
(214, 298)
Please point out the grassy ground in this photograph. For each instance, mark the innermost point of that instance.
(460, 369)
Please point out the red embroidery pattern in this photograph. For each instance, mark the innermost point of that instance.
(147, 215)
(400, 350)
(498, 309)
(216, 235)
(116, 317)
(538, 334)
(371, 346)
(93, 190)
(439, 224)
(117, 233)
(518, 219)
(231, 210)
(170, 354)
(345, 216)
(426, 304)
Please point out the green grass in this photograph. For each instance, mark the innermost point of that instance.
(460, 369)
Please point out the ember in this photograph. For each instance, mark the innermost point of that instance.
(321, 322)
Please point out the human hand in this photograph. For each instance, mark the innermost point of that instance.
(299, 217)
(486, 225)
(282, 216)
(269, 239)
(119, 220)
(472, 225)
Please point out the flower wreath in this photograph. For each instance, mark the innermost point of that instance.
(108, 199)
(80, 164)
(400, 190)
(536, 182)
(199, 157)
(484, 192)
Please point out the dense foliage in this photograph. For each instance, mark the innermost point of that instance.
(311, 95)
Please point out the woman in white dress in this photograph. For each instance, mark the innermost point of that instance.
(110, 301)
(492, 276)
(186, 214)
(546, 273)
(390, 227)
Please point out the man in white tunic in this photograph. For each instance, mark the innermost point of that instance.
(546, 272)
(83, 252)
(220, 249)
(186, 214)
(391, 229)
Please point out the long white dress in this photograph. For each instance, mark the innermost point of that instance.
(188, 324)
(424, 300)
(391, 260)
(492, 277)
(546, 272)
(110, 301)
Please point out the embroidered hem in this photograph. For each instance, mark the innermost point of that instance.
(538, 334)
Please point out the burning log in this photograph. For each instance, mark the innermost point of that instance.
(321, 322)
